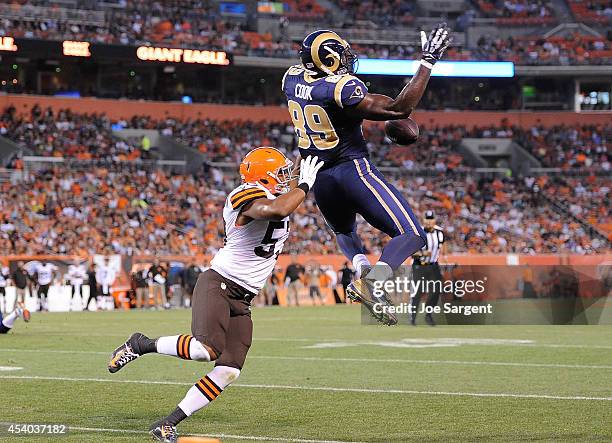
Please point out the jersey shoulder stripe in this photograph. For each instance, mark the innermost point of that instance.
(247, 196)
(244, 194)
(293, 70)
(354, 93)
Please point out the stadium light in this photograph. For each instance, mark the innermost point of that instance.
(377, 66)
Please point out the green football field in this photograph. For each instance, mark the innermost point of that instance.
(316, 375)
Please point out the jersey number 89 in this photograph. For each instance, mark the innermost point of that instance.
(316, 119)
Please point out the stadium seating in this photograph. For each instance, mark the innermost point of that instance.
(84, 136)
(199, 24)
(583, 197)
(568, 147)
(150, 209)
(120, 210)
(573, 49)
(385, 13)
(591, 11)
(65, 133)
(518, 12)
(128, 210)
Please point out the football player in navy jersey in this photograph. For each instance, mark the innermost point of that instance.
(328, 104)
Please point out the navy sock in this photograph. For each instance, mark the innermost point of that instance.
(400, 248)
(175, 417)
(350, 244)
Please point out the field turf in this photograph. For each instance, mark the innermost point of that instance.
(315, 374)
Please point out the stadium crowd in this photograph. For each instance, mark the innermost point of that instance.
(519, 9)
(573, 49)
(200, 24)
(493, 216)
(65, 133)
(385, 13)
(584, 147)
(120, 210)
(90, 136)
(127, 210)
(132, 210)
(583, 197)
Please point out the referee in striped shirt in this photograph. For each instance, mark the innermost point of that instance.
(425, 267)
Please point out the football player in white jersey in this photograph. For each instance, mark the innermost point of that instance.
(5, 274)
(256, 217)
(75, 276)
(45, 274)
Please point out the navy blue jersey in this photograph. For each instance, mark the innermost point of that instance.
(316, 106)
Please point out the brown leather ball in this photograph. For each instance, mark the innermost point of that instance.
(402, 132)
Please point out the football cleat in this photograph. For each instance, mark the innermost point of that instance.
(125, 353)
(164, 432)
(360, 291)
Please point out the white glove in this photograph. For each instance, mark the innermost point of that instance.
(434, 46)
(308, 170)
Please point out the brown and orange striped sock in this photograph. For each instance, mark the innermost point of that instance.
(182, 346)
(208, 389)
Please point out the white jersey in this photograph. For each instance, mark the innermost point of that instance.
(45, 272)
(105, 274)
(250, 251)
(76, 274)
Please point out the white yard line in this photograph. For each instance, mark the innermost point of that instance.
(431, 362)
(333, 340)
(317, 388)
(357, 360)
(509, 343)
(224, 436)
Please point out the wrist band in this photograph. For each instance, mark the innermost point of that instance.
(304, 187)
(427, 64)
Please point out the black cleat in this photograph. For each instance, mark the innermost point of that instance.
(164, 432)
(126, 353)
(360, 291)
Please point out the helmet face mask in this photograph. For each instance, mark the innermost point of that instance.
(283, 177)
(268, 167)
(348, 61)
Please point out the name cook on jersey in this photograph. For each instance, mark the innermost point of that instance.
(303, 91)
(446, 308)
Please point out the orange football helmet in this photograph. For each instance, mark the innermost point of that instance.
(268, 167)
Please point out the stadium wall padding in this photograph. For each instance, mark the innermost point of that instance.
(160, 110)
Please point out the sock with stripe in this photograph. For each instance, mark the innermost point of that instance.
(400, 248)
(182, 346)
(206, 390)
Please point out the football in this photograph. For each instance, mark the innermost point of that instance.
(402, 132)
